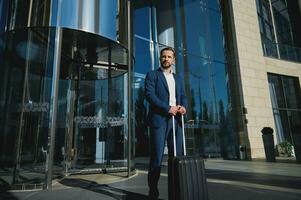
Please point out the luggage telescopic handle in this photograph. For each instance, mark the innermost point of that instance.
(174, 135)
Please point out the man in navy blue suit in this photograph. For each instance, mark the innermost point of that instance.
(164, 91)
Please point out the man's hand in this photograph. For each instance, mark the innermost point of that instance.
(181, 110)
(173, 110)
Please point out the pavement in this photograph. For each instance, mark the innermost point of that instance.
(227, 179)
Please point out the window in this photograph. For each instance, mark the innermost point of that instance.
(286, 105)
(280, 34)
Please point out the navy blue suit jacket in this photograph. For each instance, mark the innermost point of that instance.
(157, 94)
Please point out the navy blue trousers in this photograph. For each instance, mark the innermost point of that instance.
(158, 137)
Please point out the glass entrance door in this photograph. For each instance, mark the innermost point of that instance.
(98, 112)
(92, 121)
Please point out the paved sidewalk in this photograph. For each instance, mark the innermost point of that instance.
(233, 180)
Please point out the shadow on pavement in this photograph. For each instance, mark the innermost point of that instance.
(104, 189)
(257, 178)
(4, 194)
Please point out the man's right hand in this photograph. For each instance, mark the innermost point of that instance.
(173, 110)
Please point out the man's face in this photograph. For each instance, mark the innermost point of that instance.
(167, 59)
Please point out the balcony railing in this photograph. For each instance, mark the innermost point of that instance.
(281, 51)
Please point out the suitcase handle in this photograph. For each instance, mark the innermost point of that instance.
(174, 135)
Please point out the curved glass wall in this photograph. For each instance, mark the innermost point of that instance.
(26, 77)
(92, 73)
(93, 107)
(105, 18)
(91, 123)
(3, 15)
(200, 60)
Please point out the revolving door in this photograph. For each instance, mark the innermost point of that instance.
(93, 105)
(90, 125)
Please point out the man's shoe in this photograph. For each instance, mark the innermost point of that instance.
(152, 198)
(153, 195)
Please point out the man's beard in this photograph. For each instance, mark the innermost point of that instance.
(165, 66)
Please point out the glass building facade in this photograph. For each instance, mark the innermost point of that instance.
(279, 28)
(200, 60)
(72, 99)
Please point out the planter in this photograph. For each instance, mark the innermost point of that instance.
(268, 142)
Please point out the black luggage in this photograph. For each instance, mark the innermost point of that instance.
(187, 176)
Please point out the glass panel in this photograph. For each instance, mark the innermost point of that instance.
(143, 57)
(143, 64)
(287, 31)
(295, 121)
(213, 4)
(285, 125)
(141, 67)
(200, 62)
(142, 22)
(282, 22)
(209, 130)
(291, 91)
(92, 126)
(26, 76)
(276, 81)
(140, 106)
(28, 13)
(19, 14)
(105, 18)
(207, 30)
(287, 118)
(100, 123)
(3, 15)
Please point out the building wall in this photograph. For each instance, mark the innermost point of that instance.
(253, 68)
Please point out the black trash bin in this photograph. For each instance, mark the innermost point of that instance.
(243, 152)
(268, 142)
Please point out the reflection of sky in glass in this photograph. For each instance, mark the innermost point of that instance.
(107, 23)
(204, 60)
(205, 36)
(203, 54)
(54, 6)
(207, 81)
(142, 43)
(200, 60)
(69, 13)
(142, 55)
(141, 22)
(69, 16)
(219, 79)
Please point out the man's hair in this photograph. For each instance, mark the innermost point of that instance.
(168, 49)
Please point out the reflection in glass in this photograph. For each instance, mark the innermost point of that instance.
(200, 61)
(106, 18)
(279, 33)
(143, 64)
(26, 76)
(91, 128)
(287, 116)
(92, 120)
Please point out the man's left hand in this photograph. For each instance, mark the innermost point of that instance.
(181, 110)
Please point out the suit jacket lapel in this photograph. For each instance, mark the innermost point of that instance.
(163, 79)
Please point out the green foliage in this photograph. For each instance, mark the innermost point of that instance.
(286, 148)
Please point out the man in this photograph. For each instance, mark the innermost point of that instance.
(165, 93)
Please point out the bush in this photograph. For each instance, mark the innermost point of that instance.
(285, 148)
